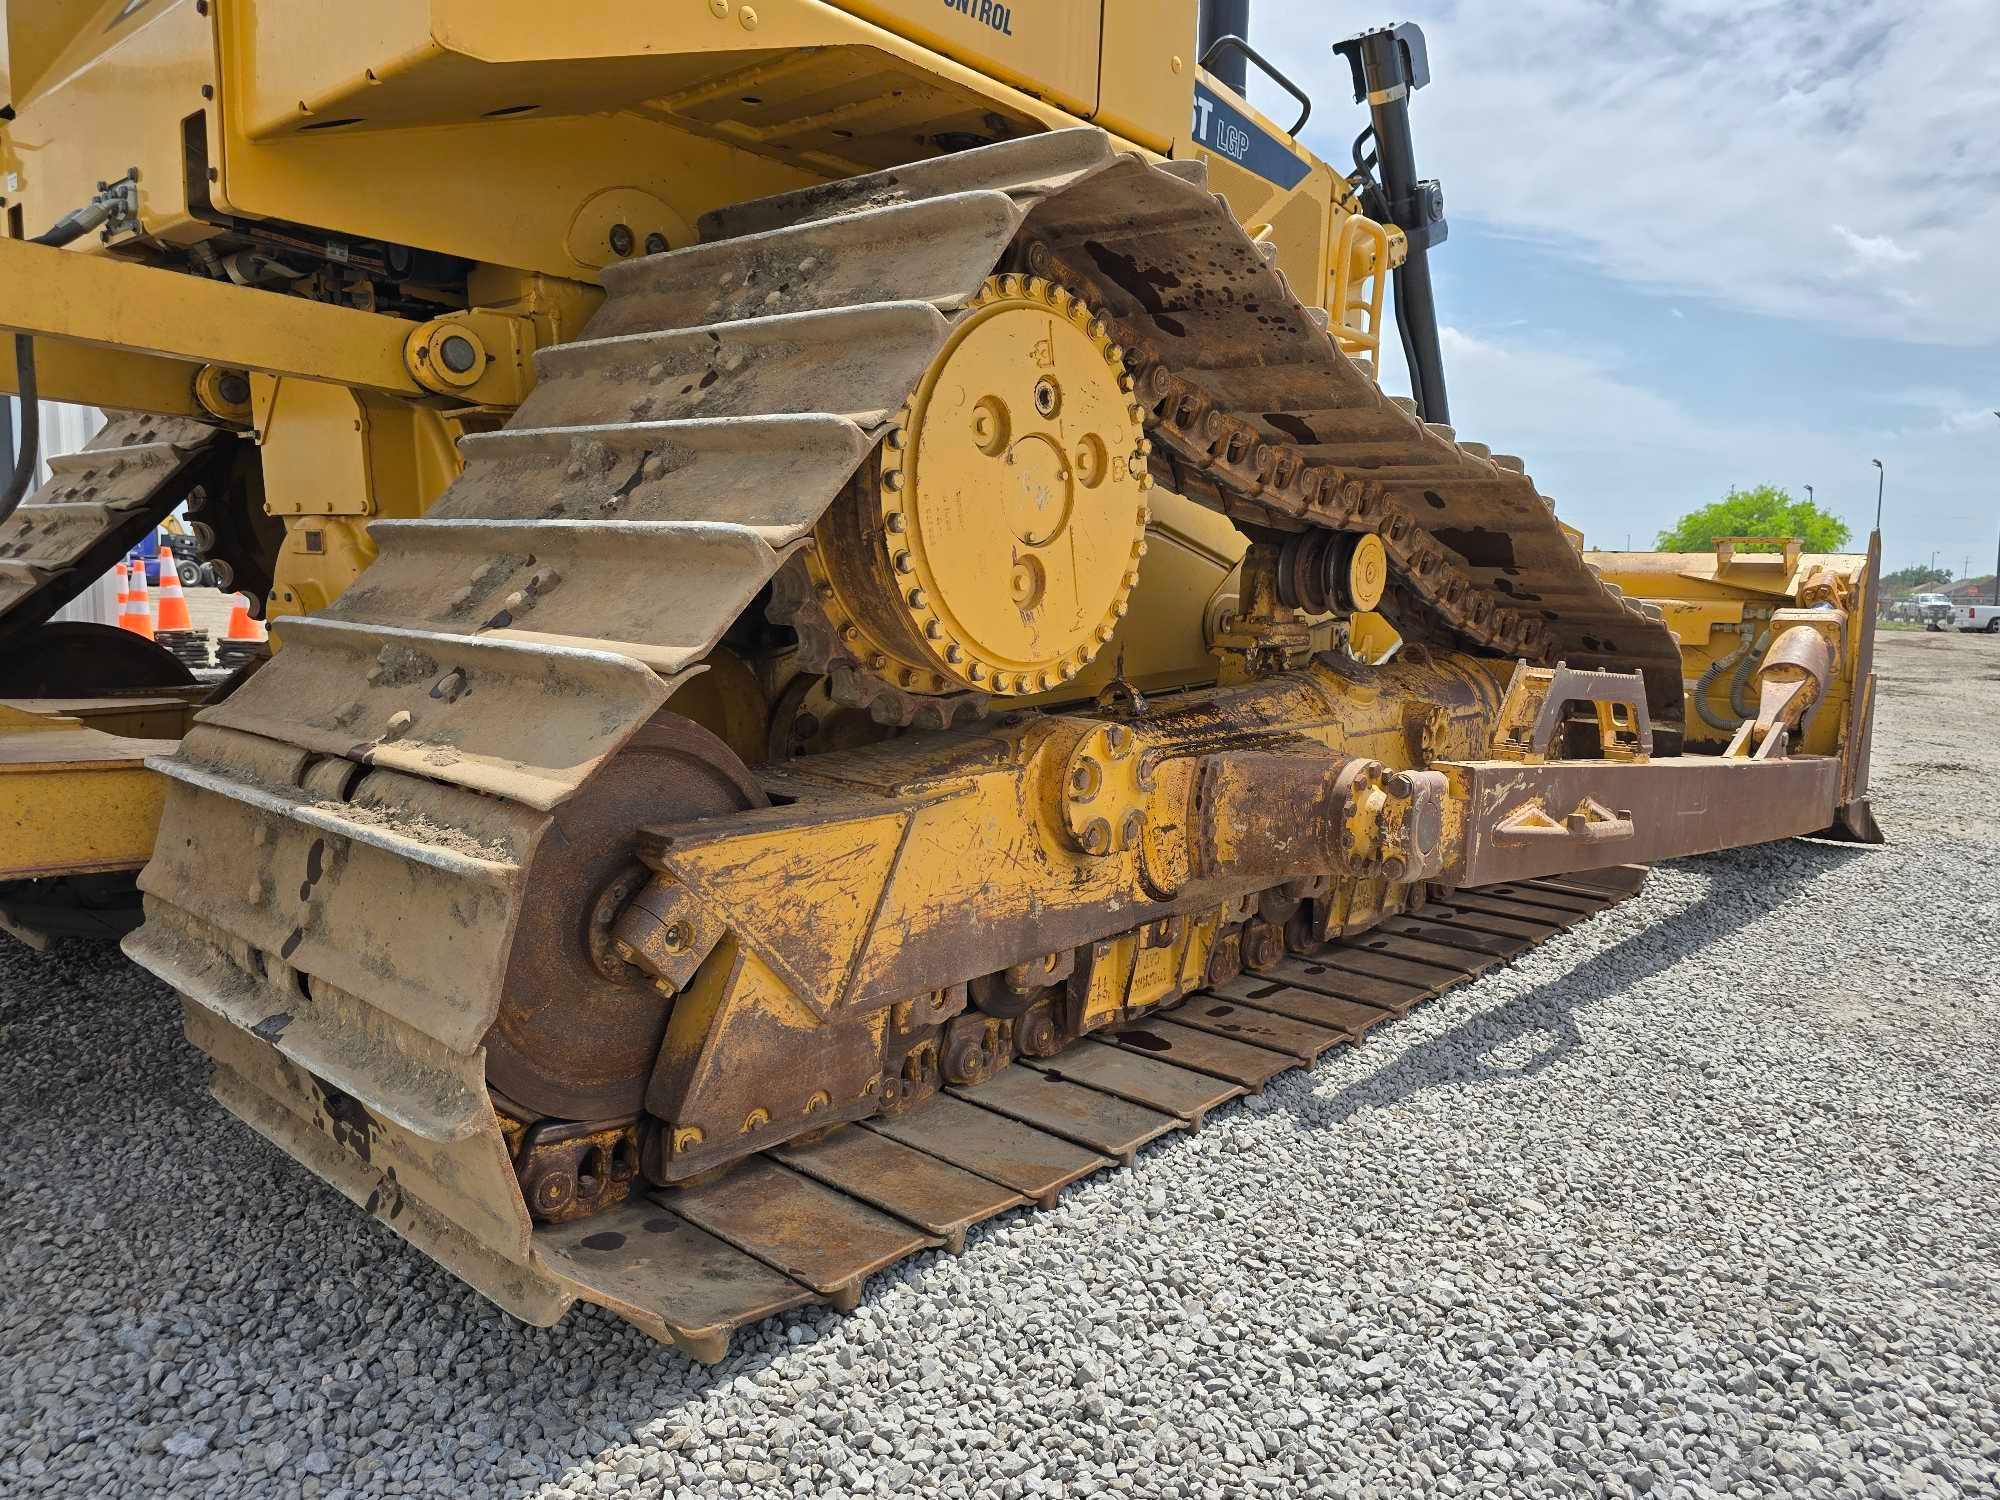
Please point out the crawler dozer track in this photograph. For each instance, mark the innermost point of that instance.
(395, 795)
(97, 504)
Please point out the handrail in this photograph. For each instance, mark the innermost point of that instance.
(1237, 44)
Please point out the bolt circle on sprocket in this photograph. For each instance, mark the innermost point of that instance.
(993, 543)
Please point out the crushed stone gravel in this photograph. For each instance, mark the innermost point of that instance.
(1695, 1201)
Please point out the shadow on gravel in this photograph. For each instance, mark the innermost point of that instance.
(234, 1264)
(1739, 893)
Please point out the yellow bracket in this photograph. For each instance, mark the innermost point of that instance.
(478, 356)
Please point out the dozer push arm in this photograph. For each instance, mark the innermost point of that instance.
(113, 333)
(140, 312)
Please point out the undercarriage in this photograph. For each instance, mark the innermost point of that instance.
(539, 968)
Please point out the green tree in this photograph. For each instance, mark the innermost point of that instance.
(1916, 576)
(1764, 511)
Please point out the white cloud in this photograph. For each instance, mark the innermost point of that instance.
(1946, 409)
(1876, 252)
(1830, 160)
(1622, 460)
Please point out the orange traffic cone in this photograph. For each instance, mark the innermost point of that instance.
(241, 626)
(173, 601)
(135, 611)
(244, 639)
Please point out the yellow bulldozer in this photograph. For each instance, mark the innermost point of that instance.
(854, 635)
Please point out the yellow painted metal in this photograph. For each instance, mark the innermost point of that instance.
(334, 459)
(1186, 583)
(796, 929)
(1371, 638)
(73, 800)
(314, 441)
(1146, 89)
(99, 87)
(1367, 571)
(525, 132)
(89, 375)
(1361, 260)
(906, 816)
(1298, 223)
(93, 299)
(223, 394)
(1719, 604)
(1001, 546)
(513, 118)
(163, 714)
(727, 699)
(1049, 46)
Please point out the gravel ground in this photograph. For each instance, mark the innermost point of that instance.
(1698, 1200)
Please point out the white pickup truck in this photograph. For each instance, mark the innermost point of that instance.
(1934, 611)
(1984, 617)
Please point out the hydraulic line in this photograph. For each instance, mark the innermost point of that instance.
(1706, 681)
(1741, 679)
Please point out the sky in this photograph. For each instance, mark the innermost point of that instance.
(1705, 243)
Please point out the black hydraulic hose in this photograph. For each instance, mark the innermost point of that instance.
(1741, 679)
(28, 444)
(1706, 681)
(28, 441)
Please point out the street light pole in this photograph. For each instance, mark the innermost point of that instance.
(1880, 475)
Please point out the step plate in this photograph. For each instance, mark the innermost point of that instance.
(1093, 1119)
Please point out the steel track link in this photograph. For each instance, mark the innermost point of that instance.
(97, 504)
(348, 839)
(811, 1224)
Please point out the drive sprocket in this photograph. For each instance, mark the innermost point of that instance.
(993, 545)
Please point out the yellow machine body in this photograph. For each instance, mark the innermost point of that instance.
(515, 137)
(820, 554)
